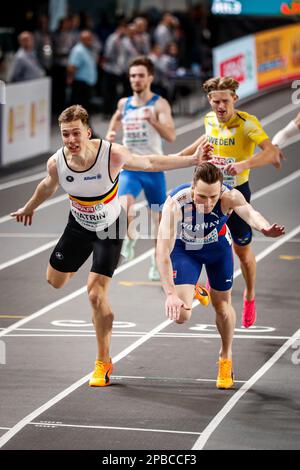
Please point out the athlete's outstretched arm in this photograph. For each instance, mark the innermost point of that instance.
(121, 157)
(234, 200)
(192, 148)
(289, 131)
(165, 243)
(270, 154)
(43, 191)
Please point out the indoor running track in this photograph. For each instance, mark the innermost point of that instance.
(163, 393)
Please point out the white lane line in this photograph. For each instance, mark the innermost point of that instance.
(29, 254)
(270, 240)
(263, 192)
(54, 200)
(198, 122)
(279, 184)
(115, 428)
(171, 379)
(29, 235)
(137, 335)
(71, 296)
(265, 121)
(279, 113)
(280, 241)
(122, 268)
(5, 429)
(28, 179)
(29, 418)
(179, 131)
(24, 180)
(212, 426)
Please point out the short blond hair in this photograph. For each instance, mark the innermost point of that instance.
(221, 84)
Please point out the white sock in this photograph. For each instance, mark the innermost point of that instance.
(286, 133)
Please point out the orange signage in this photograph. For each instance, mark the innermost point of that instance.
(291, 8)
(278, 55)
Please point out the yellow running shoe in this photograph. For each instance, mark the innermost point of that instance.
(102, 372)
(202, 294)
(225, 375)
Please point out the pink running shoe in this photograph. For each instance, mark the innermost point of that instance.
(249, 312)
(207, 285)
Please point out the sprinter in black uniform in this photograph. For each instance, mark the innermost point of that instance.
(88, 170)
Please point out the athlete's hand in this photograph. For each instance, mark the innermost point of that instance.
(207, 151)
(279, 159)
(273, 231)
(202, 140)
(173, 305)
(203, 152)
(235, 168)
(110, 136)
(148, 115)
(23, 215)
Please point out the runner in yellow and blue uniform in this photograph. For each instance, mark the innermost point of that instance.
(234, 135)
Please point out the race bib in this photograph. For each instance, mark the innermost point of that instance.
(136, 132)
(221, 162)
(92, 217)
(211, 237)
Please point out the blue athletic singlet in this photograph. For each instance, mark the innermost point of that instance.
(142, 139)
(201, 239)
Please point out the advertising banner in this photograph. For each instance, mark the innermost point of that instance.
(237, 59)
(256, 7)
(25, 120)
(278, 55)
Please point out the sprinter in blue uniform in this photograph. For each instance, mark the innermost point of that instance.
(146, 120)
(193, 233)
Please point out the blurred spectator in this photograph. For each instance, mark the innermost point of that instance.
(173, 79)
(160, 83)
(113, 69)
(201, 49)
(170, 59)
(87, 22)
(142, 38)
(129, 48)
(63, 41)
(77, 24)
(43, 43)
(129, 52)
(25, 65)
(164, 33)
(82, 71)
(169, 65)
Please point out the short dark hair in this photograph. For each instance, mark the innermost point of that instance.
(73, 113)
(208, 173)
(145, 61)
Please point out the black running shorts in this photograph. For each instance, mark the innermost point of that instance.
(77, 243)
(241, 232)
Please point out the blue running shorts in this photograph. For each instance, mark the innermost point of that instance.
(153, 184)
(218, 261)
